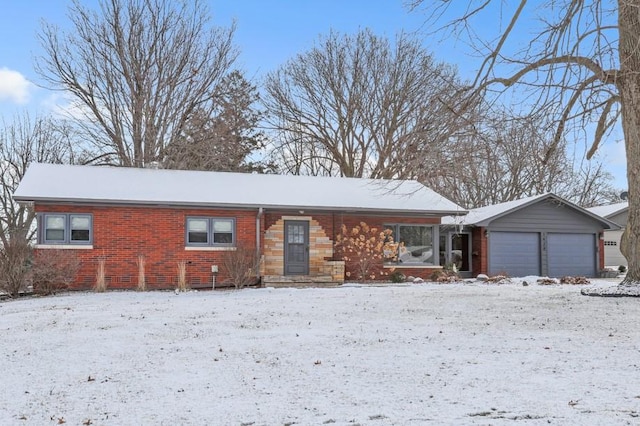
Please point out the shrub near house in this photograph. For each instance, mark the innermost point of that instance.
(363, 249)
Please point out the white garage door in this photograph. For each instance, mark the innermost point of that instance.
(612, 255)
(571, 254)
(514, 253)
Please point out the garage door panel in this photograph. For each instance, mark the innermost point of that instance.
(514, 253)
(571, 255)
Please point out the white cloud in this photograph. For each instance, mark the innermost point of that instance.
(14, 86)
(63, 105)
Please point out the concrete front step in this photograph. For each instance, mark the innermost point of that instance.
(298, 281)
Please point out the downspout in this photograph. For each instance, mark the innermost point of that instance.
(258, 240)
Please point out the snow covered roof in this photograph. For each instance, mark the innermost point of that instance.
(120, 185)
(483, 216)
(609, 210)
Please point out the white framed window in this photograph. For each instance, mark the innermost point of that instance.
(416, 243)
(65, 228)
(210, 231)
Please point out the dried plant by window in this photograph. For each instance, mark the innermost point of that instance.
(101, 282)
(182, 276)
(142, 282)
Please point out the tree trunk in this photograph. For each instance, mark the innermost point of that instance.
(629, 86)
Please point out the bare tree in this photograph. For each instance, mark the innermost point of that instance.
(581, 67)
(588, 185)
(137, 71)
(22, 142)
(502, 160)
(15, 267)
(360, 106)
(228, 141)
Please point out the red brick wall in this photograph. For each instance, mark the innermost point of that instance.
(120, 234)
(600, 264)
(478, 252)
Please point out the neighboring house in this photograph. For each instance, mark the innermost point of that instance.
(543, 235)
(616, 213)
(170, 216)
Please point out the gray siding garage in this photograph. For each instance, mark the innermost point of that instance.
(543, 235)
(546, 238)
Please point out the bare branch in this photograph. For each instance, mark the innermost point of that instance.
(137, 71)
(604, 123)
(362, 106)
(606, 76)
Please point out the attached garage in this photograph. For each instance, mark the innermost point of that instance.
(543, 235)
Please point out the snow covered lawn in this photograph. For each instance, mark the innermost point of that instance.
(402, 355)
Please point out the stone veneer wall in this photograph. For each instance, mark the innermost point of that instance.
(320, 247)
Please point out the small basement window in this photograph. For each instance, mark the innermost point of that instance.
(210, 231)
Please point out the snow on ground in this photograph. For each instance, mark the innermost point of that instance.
(371, 355)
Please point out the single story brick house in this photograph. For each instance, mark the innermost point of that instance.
(118, 214)
(618, 214)
(543, 235)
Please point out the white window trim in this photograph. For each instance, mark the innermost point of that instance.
(65, 246)
(210, 248)
(410, 266)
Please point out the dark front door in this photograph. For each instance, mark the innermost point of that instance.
(296, 247)
(460, 251)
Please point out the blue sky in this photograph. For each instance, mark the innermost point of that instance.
(269, 32)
